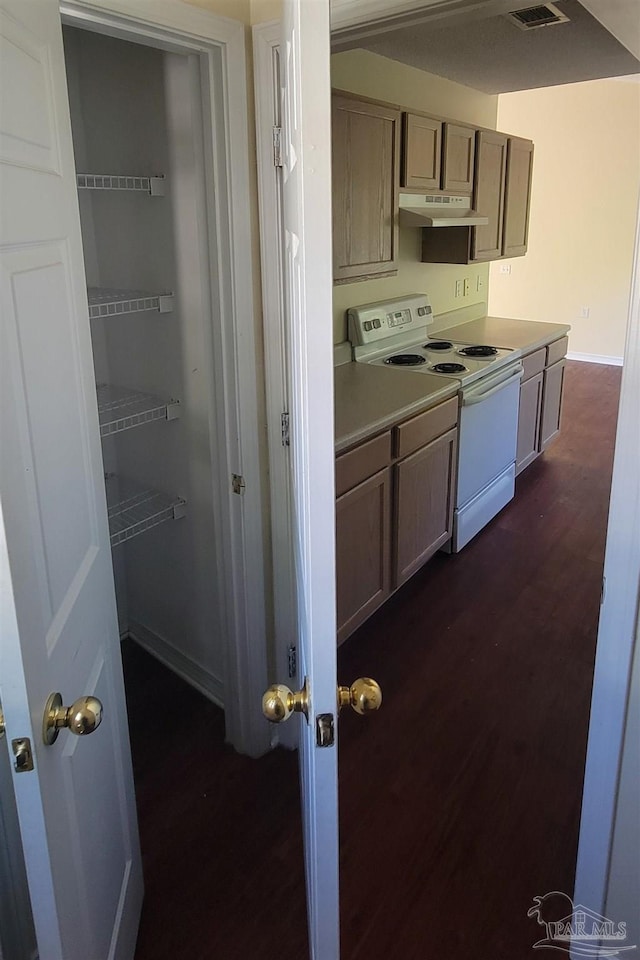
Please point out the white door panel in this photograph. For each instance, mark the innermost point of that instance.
(59, 624)
(308, 269)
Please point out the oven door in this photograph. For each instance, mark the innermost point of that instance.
(488, 431)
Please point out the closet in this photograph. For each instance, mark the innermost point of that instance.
(137, 135)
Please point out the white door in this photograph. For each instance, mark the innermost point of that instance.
(59, 626)
(308, 271)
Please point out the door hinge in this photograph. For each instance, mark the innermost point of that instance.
(277, 146)
(603, 591)
(284, 429)
(292, 661)
(237, 483)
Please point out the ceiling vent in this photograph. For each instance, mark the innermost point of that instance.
(533, 17)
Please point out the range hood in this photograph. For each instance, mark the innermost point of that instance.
(435, 210)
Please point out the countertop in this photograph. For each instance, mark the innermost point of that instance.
(369, 399)
(524, 335)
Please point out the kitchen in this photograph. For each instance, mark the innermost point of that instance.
(558, 128)
(413, 288)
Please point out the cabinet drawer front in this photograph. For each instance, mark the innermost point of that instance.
(354, 467)
(534, 363)
(418, 431)
(557, 350)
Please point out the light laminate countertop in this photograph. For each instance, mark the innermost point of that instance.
(524, 335)
(369, 399)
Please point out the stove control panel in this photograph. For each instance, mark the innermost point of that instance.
(372, 322)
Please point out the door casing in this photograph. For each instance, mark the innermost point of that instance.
(219, 44)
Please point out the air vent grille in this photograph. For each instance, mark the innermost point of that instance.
(531, 18)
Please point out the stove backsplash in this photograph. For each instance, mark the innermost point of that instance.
(437, 280)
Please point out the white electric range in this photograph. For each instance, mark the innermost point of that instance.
(394, 334)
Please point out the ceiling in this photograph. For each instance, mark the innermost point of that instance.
(473, 43)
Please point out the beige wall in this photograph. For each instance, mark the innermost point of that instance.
(583, 210)
(382, 79)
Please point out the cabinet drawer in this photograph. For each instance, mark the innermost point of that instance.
(354, 467)
(557, 350)
(424, 428)
(534, 363)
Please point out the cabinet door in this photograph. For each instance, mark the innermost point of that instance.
(488, 195)
(458, 158)
(363, 551)
(422, 152)
(517, 197)
(529, 422)
(424, 504)
(366, 155)
(552, 403)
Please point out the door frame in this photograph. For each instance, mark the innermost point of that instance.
(220, 44)
(266, 48)
(618, 625)
(619, 608)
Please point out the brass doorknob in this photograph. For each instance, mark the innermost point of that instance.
(364, 695)
(279, 702)
(81, 718)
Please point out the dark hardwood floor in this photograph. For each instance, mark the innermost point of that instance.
(460, 801)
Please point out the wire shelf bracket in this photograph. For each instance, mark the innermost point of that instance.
(109, 302)
(154, 186)
(133, 510)
(121, 409)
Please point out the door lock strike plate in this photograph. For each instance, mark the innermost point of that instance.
(325, 733)
(23, 757)
(237, 483)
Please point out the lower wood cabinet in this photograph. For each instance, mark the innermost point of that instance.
(529, 422)
(552, 403)
(540, 401)
(363, 551)
(394, 509)
(423, 509)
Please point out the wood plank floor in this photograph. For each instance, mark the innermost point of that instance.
(460, 801)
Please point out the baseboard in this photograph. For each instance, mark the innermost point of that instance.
(596, 358)
(209, 686)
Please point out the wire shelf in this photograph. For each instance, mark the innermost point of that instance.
(121, 409)
(108, 302)
(133, 510)
(106, 181)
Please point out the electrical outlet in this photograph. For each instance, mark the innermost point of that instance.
(480, 284)
(466, 286)
(458, 288)
(505, 268)
(584, 313)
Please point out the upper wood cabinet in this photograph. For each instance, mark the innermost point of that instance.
(422, 152)
(459, 147)
(436, 155)
(366, 161)
(488, 194)
(517, 197)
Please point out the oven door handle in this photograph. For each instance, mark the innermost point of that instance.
(515, 373)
